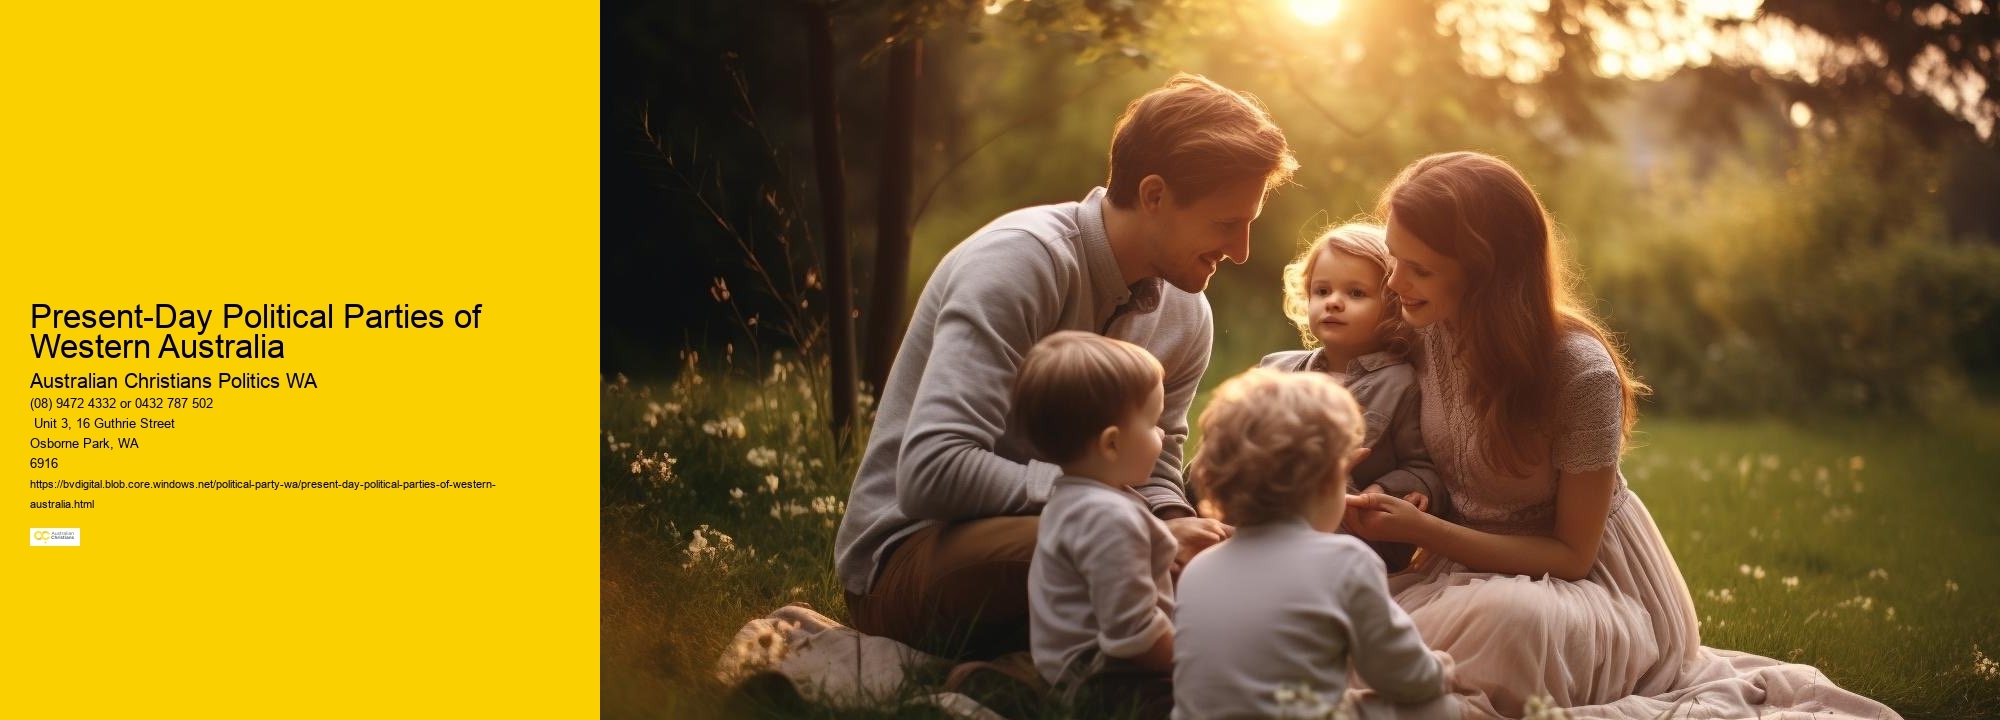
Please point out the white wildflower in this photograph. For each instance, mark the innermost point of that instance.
(736, 493)
(1757, 572)
(1302, 702)
(770, 484)
(1791, 582)
(1744, 569)
(1542, 707)
(1722, 596)
(1984, 666)
(711, 547)
(659, 469)
(762, 457)
(1856, 463)
(729, 427)
(828, 505)
(657, 411)
(698, 549)
(1951, 586)
(1878, 574)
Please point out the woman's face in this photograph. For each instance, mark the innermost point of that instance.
(1430, 283)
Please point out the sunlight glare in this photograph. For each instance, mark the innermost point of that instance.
(1316, 12)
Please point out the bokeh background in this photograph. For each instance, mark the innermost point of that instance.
(1788, 210)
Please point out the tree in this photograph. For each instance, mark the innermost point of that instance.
(892, 218)
(833, 207)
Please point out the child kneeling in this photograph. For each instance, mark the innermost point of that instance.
(1100, 593)
(1271, 620)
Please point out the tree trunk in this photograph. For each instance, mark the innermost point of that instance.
(892, 216)
(833, 209)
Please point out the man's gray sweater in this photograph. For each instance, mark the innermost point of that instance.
(941, 449)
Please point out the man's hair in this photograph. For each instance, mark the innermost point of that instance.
(1198, 136)
(1270, 440)
(1075, 384)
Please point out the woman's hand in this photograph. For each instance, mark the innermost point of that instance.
(1377, 516)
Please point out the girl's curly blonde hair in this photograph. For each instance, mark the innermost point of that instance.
(1270, 442)
(1367, 241)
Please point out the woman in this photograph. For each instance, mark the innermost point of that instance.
(1555, 580)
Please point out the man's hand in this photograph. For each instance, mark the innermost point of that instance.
(1197, 534)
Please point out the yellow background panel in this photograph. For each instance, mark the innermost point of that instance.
(436, 154)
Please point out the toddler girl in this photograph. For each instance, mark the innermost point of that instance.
(1335, 292)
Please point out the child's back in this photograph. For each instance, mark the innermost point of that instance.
(1100, 586)
(1281, 605)
(1271, 620)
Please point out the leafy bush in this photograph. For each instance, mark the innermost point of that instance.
(1801, 288)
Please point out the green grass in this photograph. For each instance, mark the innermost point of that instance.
(1891, 547)
(1908, 526)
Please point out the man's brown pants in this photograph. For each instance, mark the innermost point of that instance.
(958, 590)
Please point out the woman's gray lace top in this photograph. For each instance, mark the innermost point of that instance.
(1588, 434)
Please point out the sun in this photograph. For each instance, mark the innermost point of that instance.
(1316, 12)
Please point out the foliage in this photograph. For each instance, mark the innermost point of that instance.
(1799, 287)
(720, 493)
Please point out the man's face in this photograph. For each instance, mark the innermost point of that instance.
(1190, 241)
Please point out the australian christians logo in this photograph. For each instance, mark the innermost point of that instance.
(54, 537)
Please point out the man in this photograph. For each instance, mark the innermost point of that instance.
(941, 520)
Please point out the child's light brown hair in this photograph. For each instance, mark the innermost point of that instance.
(1075, 384)
(1367, 241)
(1198, 136)
(1270, 440)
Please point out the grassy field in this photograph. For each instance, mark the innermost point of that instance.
(1859, 547)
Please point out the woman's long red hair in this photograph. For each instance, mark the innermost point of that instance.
(1517, 302)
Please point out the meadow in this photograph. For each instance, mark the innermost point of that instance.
(1857, 546)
